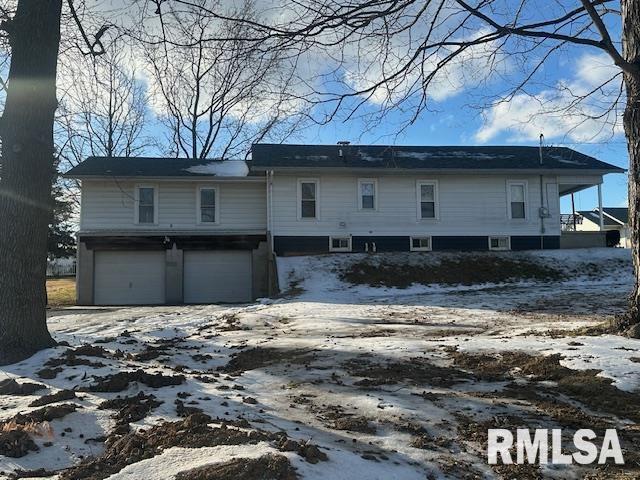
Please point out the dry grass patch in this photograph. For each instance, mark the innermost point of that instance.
(584, 386)
(415, 371)
(61, 291)
(259, 357)
(267, 467)
(461, 269)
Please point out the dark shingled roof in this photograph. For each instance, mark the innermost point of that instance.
(594, 217)
(267, 156)
(141, 167)
(619, 213)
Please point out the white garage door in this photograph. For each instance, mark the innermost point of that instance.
(129, 278)
(217, 276)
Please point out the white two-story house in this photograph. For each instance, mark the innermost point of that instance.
(165, 230)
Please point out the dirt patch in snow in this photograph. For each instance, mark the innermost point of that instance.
(461, 269)
(10, 387)
(584, 386)
(192, 432)
(267, 467)
(130, 409)
(16, 443)
(416, 371)
(120, 381)
(260, 357)
(45, 414)
(59, 396)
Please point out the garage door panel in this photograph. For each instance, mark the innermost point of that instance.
(217, 276)
(129, 278)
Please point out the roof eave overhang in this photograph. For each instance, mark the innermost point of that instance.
(439, 171)
(181, 178)
(617, 220)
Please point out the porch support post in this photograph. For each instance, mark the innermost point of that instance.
(600, 207)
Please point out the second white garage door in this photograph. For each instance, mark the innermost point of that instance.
(212, 276)
(129, 278)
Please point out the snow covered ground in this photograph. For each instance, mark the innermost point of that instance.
(373, 376)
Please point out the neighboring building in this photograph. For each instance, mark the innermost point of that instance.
(613, 218)
(156, 231)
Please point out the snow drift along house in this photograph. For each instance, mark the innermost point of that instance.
(165, 230)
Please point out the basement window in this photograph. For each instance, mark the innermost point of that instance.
(420, 244)
(499, 243)
(339, 244)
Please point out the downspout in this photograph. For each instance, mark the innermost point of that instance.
(269, 209)
(541, 209)
(272, 270)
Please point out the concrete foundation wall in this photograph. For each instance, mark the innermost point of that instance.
(583, 239)
(174, 276)
(84, 275)
(260, 281)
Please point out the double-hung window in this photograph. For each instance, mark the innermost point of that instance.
(207, 205)
(367, 194)
(146, 211)
(427, 199)
(307, 199)
(517, 192)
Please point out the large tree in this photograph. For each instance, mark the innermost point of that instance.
(26, 132)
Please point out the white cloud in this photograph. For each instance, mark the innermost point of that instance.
(369, 64)
(559, 112)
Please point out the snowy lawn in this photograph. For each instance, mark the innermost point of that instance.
(334, 380)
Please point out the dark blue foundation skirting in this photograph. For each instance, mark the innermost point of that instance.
(298, 245)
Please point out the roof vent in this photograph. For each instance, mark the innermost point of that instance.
(344, 142)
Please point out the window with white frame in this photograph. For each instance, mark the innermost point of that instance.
(517, 192)
(207, 205)
(146, 212)
(499, 243)
(308, 199)
(427, 199)
(367, 194)
(339, 244)
(420, 244)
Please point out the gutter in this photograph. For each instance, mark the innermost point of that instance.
(440, 171)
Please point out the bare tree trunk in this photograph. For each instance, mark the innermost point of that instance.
(26, 131)
(631, 53)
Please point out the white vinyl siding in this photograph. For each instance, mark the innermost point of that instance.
(107, 205)
(473, 205)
